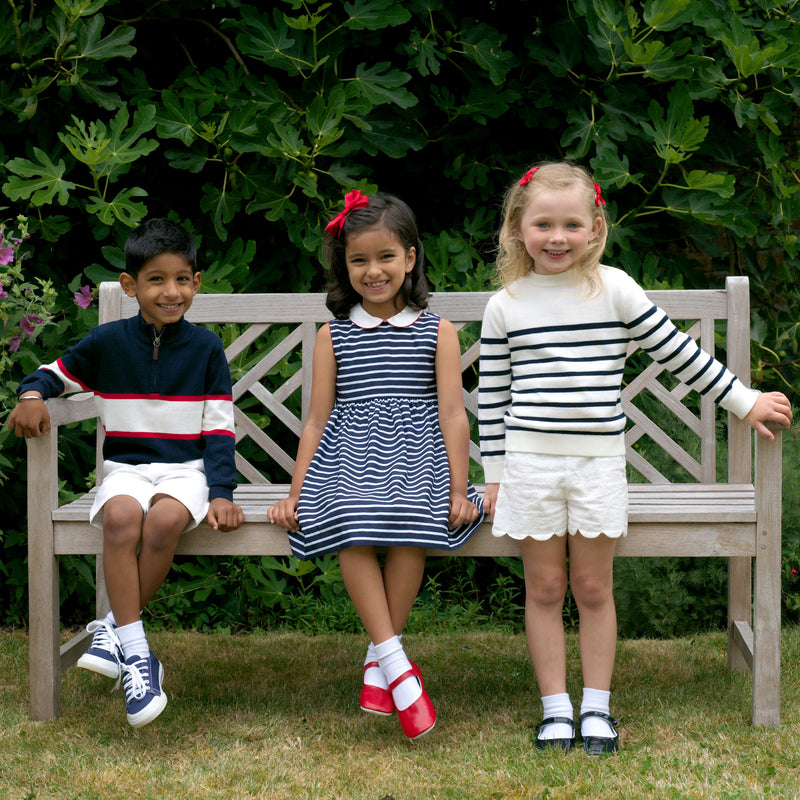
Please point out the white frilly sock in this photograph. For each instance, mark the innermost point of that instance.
(373, 676)
(556, 705)
(394, 663)
(595, 700)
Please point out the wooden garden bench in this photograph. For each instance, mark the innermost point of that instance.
(706, 514)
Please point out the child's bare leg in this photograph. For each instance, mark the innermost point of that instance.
(545, 564)
(163, 525)
(591, 579)
(122, 531)
(591, 576)
(402, 577)
(545, 588)
(363, 580)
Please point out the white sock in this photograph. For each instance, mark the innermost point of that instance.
(394, 663)
(374, 676)
(556, 705)
(595, 700)
(133, 640)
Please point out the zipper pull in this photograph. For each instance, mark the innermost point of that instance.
(156, 345)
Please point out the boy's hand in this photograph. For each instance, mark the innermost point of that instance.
(29, 418)
(770, 406)
(284, 513)
(462, 510)
(223, 515)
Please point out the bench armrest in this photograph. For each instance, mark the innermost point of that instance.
(769, 474)
(75, 408)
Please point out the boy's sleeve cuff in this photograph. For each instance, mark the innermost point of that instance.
(225, 492)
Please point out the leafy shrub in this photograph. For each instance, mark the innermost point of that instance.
(247, 122)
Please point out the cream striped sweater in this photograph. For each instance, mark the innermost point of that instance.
(552, 360)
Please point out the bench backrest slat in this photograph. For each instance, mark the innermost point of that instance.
(263, 331)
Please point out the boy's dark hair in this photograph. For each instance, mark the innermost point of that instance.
(154, 237)
(385, 211)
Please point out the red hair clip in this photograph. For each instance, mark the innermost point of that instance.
(352, 201)
(598, 198)
(527, 176)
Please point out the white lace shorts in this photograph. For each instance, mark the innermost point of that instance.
(543, 496)
(185, 482)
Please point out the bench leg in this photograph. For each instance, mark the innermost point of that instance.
(767, 633)
(43, 593)
(767, 589)
(740, 599)
(101, 594)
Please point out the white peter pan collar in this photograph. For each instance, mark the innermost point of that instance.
(408, 316)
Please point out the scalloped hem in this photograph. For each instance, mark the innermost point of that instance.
(544, 537)
(594, 534)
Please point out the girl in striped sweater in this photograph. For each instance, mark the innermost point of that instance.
(553, 349)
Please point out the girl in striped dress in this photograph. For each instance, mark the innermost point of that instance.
(383, 458)
(553, 349)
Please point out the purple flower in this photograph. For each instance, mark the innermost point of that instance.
(6, 254)
(13, 343)
(83, 297)
(29, 323)
(3, 292)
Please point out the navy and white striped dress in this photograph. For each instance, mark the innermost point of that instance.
(380, 475)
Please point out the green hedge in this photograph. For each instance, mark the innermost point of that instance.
(248, 122)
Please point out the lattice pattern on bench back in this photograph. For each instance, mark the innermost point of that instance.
(271, 364)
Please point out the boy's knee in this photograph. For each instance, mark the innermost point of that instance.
(122, 519)
(166, 520)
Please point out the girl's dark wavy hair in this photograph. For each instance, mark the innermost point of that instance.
(385, 211)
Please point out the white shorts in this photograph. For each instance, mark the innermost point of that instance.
(543, 496)
(185, 482)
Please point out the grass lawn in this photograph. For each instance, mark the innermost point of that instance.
(276, 716)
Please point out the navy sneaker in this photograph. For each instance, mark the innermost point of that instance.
(104, 654)
(141, 681)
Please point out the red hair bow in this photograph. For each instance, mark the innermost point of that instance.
(352, 201)
(598, 198)
(527, 176)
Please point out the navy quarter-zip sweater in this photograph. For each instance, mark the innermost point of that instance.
(169, 402)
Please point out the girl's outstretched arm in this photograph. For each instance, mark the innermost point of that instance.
(453, 422)
(323, 396)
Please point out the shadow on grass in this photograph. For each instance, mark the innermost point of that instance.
(475, 680)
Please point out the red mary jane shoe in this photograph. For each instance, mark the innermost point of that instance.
(420, 716)
(375, 700)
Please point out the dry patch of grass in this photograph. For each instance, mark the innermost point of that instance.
(276, 716)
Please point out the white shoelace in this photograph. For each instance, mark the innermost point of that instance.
(104, 635)
(135, 679)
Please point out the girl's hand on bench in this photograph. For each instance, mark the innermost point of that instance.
(461, 510)
(30, 418)
(223, 515)
(769, 407)
(284, 514)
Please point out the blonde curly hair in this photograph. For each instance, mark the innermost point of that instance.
(513, 260)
